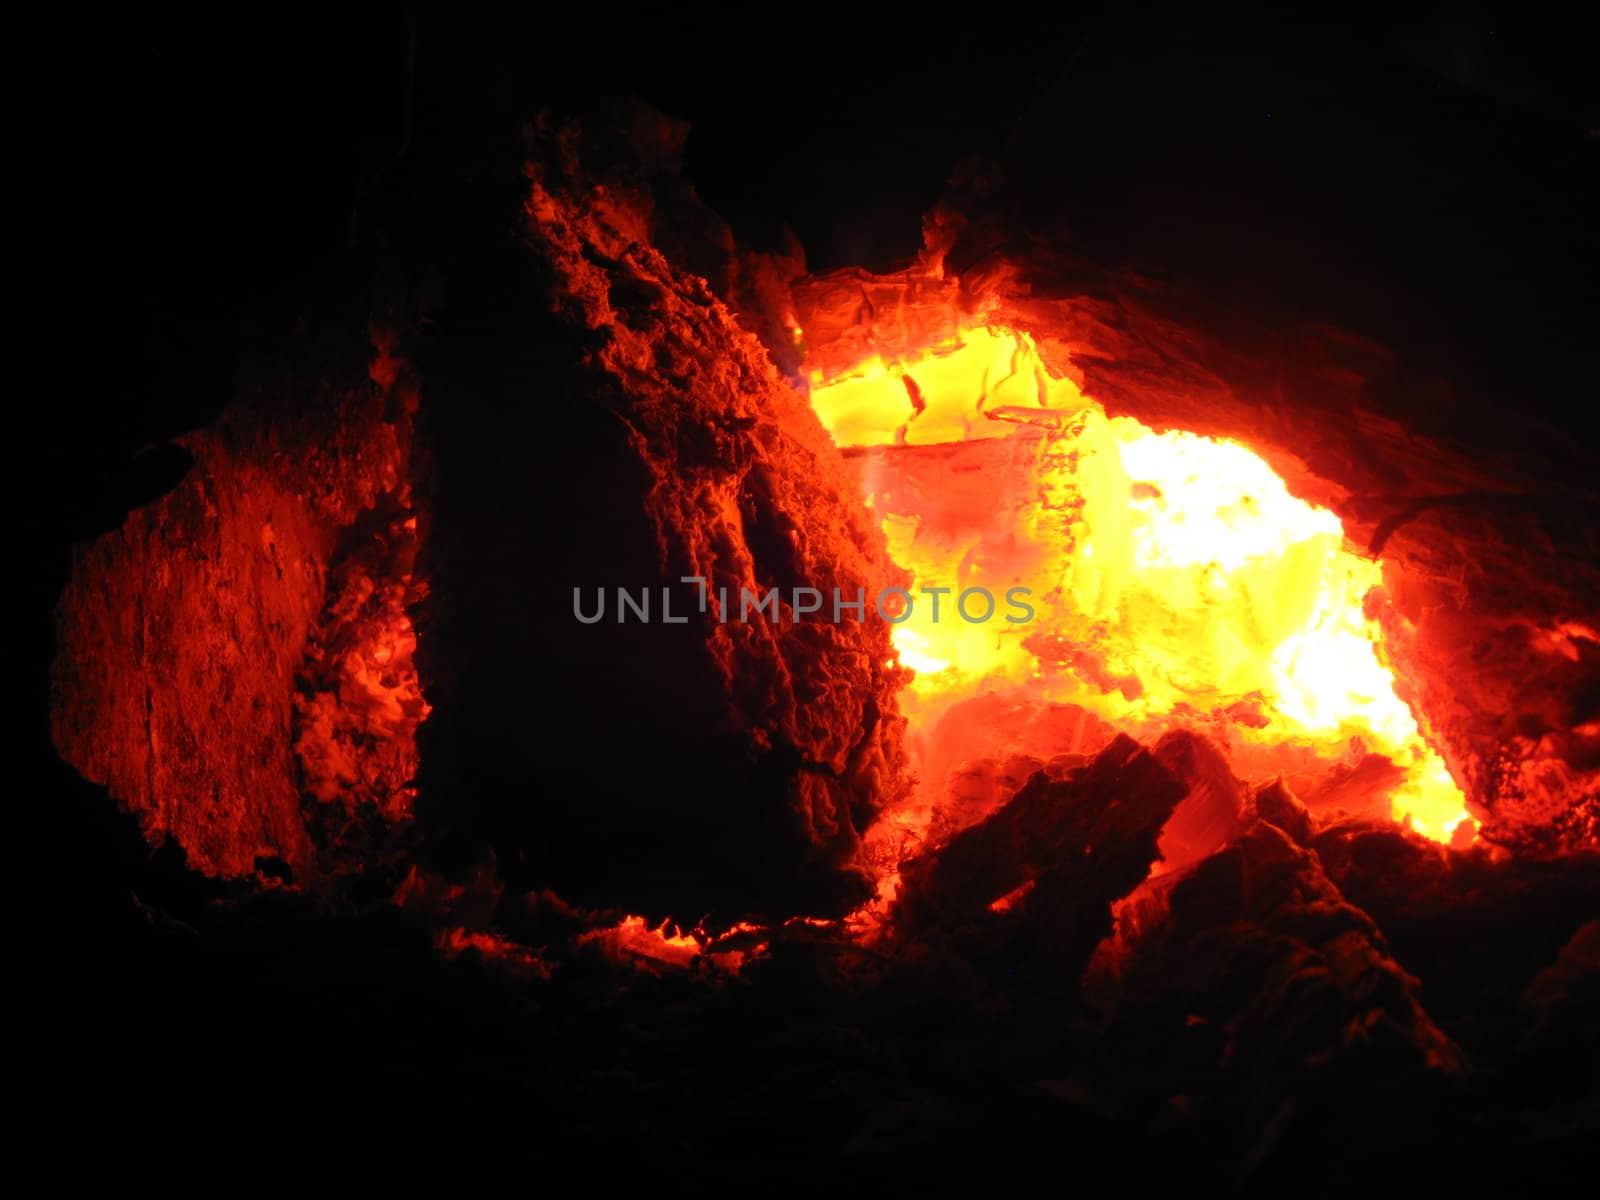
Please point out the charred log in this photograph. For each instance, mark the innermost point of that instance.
(184, 634)
(599, 404)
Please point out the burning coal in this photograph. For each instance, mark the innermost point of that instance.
(1180, 584)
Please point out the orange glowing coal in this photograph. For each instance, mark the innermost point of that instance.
(634, 940)
(634, 937)
(1174, 579)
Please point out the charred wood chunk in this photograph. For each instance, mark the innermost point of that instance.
(1301, 991)
(1560, 1010)
(1076, 843)
(1208, 818)
(1277, 805)
(1472, 924)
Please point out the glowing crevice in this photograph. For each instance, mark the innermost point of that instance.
(1173, 576)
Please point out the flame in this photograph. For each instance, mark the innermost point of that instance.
(1172, 577)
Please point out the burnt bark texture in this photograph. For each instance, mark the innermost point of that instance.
(601, 422)
(183, 634)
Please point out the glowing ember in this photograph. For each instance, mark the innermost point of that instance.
(633, 937)
(1009, 901)
(1171, 578)
(634, 940)
(952, 396)
(455, 941)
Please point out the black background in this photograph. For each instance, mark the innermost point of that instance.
(212, 162)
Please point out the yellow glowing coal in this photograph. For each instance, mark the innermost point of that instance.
(952, 397)
(1207, 502)
(1171, 577)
